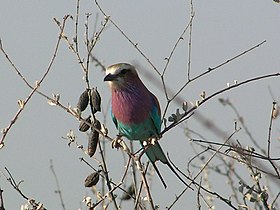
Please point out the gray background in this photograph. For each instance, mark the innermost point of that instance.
(221, 30)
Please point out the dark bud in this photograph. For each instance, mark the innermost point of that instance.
(95, 100)
(130, 193)
(92, 179)
(83, 127)
(93, 139)
(83, 101)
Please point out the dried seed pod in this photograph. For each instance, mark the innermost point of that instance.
(92, 179)
(95, 100)
(93, 139)
(83, 101)
(83, 127)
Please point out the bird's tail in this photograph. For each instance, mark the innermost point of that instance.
(154, 153)
(159, 175)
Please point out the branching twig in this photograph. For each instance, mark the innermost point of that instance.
(227, 201)
(38, 83)
(133, 168)
(218, 66)
(168, 59)
(106, 195)
(186, 115)
(106, 174)
(204, 166)
(205, 73)
(129, 40)
(113, 183)
(237, 56)
(15, 185)
(137, 200)
(242, 122)
(214, 154)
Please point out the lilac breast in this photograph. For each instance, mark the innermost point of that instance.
(131, 106)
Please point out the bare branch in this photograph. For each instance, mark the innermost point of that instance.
(135, 45)
(38, 83)
(186, 115)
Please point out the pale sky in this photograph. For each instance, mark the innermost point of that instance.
(221, 30)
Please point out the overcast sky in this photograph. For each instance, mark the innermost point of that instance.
(221, 30)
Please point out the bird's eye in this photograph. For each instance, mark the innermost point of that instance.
(123, 72)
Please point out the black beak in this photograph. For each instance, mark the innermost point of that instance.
(110, 77)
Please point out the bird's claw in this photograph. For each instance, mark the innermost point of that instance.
(116, 143)
(119, 143)
(150, 141)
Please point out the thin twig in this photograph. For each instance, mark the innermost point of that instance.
(106, 174)
(144, 180)
(179, 100)
(227, 201)
(1, 200)
(197, 155)
(237, 56)
(90, 45)
(214, 154)
(137, 200)
(198, 195)
(58, 190)
(218, 66)
(190, 39)
(265, 170)
(204, 166)
(106, 195)
(201, 75)
(168, 59)
(241, 120)
(113, 183)
(38, 83)
(269, 138)
(135, 45)
(238, 149)
(270, 129)
(186, 115)
(15, 185)
(274, 200)
(76, 25)
(133, 167)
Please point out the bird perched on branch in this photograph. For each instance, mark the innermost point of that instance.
(136, 111)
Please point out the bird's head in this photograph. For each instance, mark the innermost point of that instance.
(120, 75)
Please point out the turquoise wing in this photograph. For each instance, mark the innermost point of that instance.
(155, 115)
(114, 120)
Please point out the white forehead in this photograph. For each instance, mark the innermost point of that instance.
(117, 68)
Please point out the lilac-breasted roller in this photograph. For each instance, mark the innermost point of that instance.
(136, 111)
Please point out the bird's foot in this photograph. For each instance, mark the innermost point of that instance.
(117, 142)
(150, 141)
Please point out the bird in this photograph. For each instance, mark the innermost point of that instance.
(136, 112)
